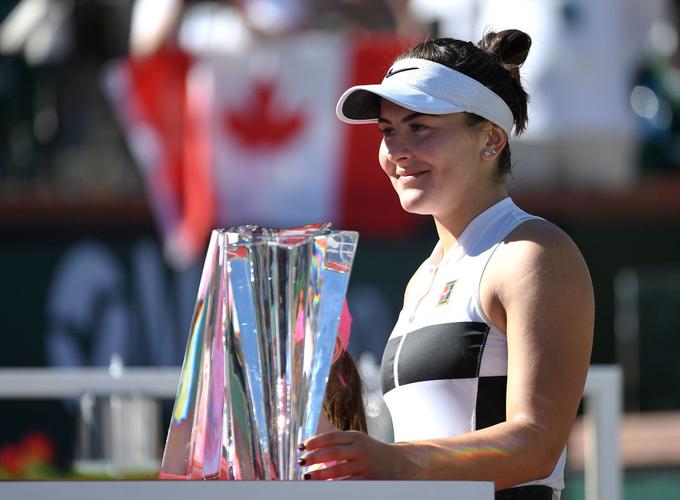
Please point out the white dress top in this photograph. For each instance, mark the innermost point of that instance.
(444, 369)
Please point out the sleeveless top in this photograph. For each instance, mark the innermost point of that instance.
(444, 369)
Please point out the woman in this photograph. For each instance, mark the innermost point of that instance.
(486, 365)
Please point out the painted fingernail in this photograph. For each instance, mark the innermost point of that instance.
(301, 446)
(307, 476)
(302, 461)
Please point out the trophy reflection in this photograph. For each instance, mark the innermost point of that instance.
(259, 352)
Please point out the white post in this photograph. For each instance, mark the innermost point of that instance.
(602, 420)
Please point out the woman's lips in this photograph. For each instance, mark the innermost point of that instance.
(410, 176)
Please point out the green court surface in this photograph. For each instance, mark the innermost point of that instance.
(638, 485)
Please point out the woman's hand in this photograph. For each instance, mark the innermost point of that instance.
(353, 455)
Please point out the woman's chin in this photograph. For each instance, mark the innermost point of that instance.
(414, 205)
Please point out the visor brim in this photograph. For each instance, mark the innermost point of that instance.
(361, 104)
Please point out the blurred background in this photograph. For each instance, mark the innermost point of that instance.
(130, 128)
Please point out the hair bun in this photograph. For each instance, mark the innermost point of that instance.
(511, 46)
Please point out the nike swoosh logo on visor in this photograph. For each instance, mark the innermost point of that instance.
(392, 72)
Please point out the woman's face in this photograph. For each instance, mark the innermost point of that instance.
(433, 161)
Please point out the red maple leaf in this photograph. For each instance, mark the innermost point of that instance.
(261, 123)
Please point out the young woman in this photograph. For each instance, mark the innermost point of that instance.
(486, 365)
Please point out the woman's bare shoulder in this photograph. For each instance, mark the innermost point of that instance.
(539, 241)
(539, 231)
(535, 257)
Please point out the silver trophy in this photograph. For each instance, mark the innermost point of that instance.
(259, 352)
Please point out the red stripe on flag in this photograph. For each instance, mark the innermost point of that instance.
(369, 203)
(180, 187)
(159, 87)
(198, 210)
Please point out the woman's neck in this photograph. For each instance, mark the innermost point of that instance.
(452, 224)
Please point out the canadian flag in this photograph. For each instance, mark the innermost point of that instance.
(252, 138)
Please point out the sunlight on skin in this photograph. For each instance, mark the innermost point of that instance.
(474, 453)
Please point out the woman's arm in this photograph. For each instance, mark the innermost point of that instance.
(536, 288)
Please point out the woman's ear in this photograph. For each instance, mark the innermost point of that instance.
(494, 141)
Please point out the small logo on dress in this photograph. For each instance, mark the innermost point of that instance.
(446, 293)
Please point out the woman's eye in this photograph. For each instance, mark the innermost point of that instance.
(386, 131)
(417, 127)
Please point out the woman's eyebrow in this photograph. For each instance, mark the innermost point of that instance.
(407, 118)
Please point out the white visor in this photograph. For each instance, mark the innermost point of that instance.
(426, 87)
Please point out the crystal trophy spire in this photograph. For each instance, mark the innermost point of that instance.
(259, 352)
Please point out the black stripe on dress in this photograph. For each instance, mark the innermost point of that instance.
(490, 407)
(531, 492)
(436, 352)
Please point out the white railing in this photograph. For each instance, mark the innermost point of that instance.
(58, 383)
(602, 424)
(602, 397)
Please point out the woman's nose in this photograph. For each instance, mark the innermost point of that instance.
(397, 150)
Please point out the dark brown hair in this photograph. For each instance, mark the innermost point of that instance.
(344, 400)
(494, 62)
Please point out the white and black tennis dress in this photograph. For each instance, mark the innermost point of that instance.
(444, 369)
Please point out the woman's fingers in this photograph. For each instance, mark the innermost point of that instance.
(334, 446)
(349, 455)
(330, 439)
(340, 470)
(331, 454)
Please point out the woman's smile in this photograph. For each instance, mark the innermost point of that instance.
(409, 176)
